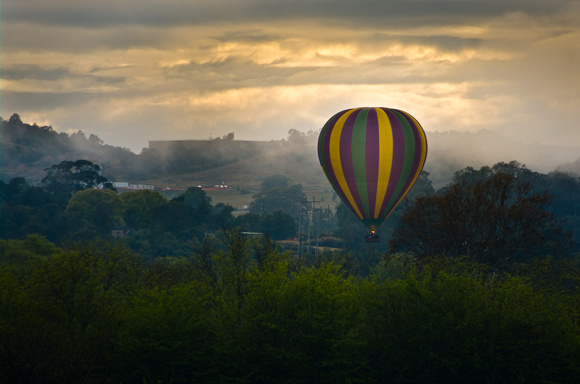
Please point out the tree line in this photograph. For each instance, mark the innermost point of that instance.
(561, 198)
(241, 310)
(27, 149)
(496, 215)
(500, 214)
(480, 281)
(477, 281)
(74, 203)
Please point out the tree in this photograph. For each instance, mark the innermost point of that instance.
(64, 179)
(59, 316)
(565, 188)
(290, 200)
(422, 187)
(199, 203)
(221, 216)
(471, 176)
(165, 337)
(93, 213)
(248, 222)
(495, 221)
(351, 230)
(19, 192)
(278, 225)
(139, 206)
(275, 181)
(302, 329)
(173, 216)
(15, 119)
(26, 209)
(448, 323)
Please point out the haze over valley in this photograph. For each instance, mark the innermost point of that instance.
(164, 217)
(295, 156)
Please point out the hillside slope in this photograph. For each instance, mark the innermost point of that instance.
(299, 163)
(26, 150)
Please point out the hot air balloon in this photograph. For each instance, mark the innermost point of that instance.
(372, 157)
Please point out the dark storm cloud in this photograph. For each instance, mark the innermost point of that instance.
(42, 101)
(445, 43)
(433, 38)
(106, 13)
(252, 36)
(68, 26)
(66, 38)
(29, 71)
(123, 68)
(236, 72)
(35, 72)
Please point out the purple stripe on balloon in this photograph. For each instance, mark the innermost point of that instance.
(416, 157)
(346, 157)
(329, 169)
(398, 158)
(372, 158)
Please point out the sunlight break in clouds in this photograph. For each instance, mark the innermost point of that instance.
(131, 71)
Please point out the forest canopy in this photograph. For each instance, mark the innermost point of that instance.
(477, 280)
(240, 309)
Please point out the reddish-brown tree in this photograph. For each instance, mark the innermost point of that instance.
(495, 221)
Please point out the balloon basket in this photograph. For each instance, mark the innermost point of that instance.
(372, 238)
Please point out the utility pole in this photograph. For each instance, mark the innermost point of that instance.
(311, 213)
(299, 230)
(308, 236)
(317, 224)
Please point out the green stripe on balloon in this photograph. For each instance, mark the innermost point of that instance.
(359, 170)
(359, 161)
(408, 157)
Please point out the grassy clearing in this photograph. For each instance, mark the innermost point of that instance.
(245, 177)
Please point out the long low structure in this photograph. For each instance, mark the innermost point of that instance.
(209, 148)
(134, 187)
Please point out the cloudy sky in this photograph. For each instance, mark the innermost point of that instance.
(131, 71)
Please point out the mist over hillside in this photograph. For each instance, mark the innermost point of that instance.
(27, 150)
(451, 151)
(448, 153)
(573, 167)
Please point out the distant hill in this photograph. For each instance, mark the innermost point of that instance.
(26, 150)
(448, 153)
(298, 161)
(452, 151)
(573, 167)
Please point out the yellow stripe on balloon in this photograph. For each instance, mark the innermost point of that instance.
(336, 165)
(423, 155)
(385, 159)
(423, 150)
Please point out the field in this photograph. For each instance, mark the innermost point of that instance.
(244, 178)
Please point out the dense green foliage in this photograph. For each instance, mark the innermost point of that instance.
(144, 220)
(240, 310)
(64, 179)
(101, 287)
(494, 216)
(41, 154)
(26, 150)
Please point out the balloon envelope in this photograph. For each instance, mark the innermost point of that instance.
(372, 157)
